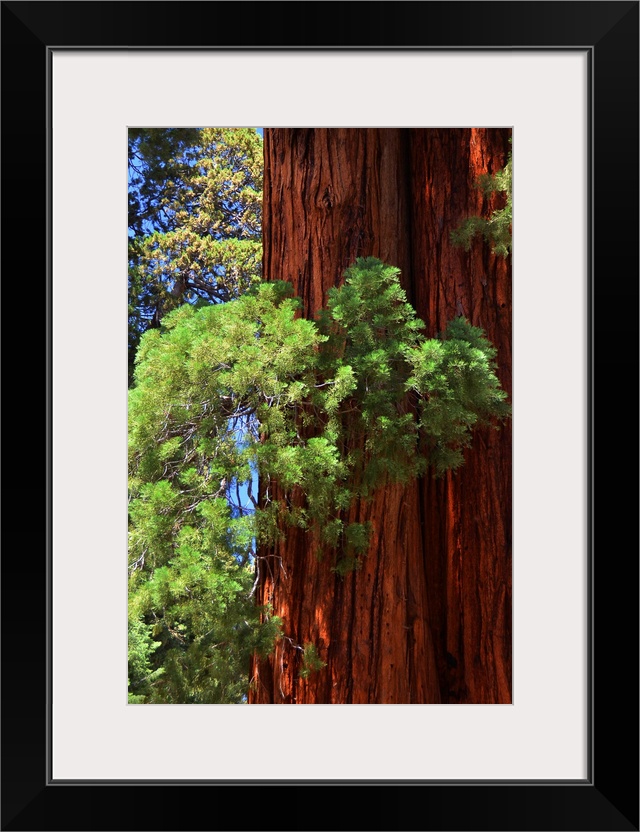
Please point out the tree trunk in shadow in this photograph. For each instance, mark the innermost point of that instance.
(467, 514)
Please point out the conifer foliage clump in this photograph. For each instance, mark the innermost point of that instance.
(322, 412)
(195, 219)
(495, 230)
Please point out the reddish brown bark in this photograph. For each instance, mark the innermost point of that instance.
(427, 617)
(467, 515)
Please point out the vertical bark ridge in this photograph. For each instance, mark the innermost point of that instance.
(468, 513)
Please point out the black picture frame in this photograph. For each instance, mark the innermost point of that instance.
(608, 798)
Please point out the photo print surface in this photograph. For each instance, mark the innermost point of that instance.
(320, 469)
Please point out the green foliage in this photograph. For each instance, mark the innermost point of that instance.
(324, 412)
(322, 406)
(497, 229)
(141, 671)
(311, 661)
(190, 583)
(155, 159)
(195, 202)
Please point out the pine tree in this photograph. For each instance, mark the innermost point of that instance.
(195, 198)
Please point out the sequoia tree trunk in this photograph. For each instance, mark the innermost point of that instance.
(427, 616)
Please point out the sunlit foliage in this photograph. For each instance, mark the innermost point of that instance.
(323, 411)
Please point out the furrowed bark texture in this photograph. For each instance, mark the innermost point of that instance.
(426, 618)
(467, 514)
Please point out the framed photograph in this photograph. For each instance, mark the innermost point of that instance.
(542, 749)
